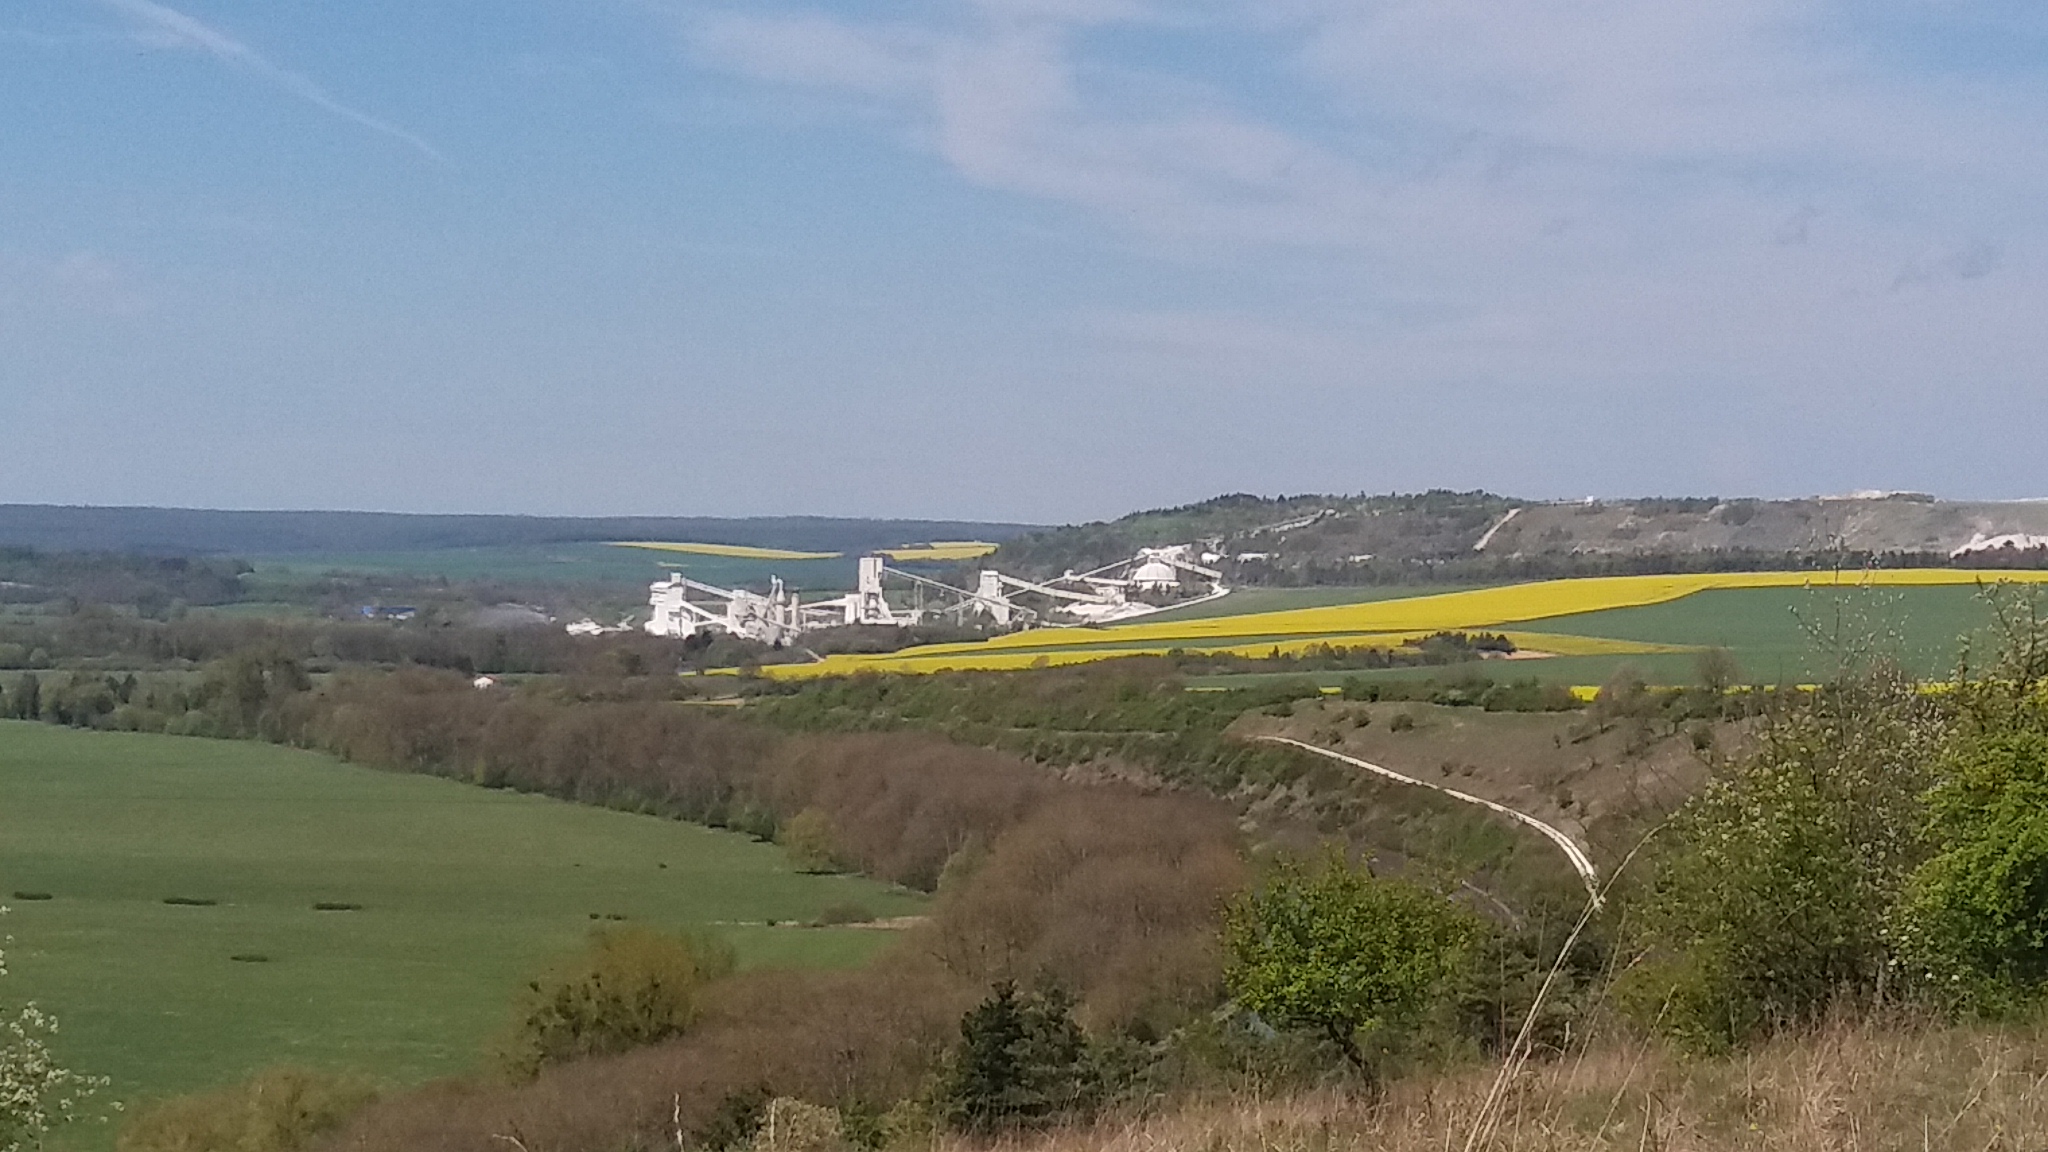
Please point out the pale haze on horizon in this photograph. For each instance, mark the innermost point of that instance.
(1034, 260)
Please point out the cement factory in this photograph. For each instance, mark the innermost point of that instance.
(1154, 579)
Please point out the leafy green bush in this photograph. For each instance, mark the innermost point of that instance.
(1336, 949)
(807, 839)
(629, 988)
(276, 1110)
(1974, 919)
(1771, 888)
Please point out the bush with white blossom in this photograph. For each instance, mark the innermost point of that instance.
(36, 1092)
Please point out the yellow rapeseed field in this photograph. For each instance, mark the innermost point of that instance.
(1383, 622)
(941, 550)
(733, 551)
(984, 658)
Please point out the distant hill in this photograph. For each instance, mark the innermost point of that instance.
(1287, 540)
(1479, 535)
(202, 532)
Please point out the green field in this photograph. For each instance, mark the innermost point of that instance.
(1786, 634)
(1778, 635)
(465, 893)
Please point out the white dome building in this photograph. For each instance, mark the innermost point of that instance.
(1156, 576)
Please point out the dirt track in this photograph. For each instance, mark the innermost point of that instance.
(1581, 863)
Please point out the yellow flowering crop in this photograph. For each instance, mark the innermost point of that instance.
(941, 550)
(733, 551)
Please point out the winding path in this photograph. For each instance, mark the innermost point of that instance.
(1580, 861)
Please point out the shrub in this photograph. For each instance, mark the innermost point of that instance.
(1718, 669)
(1975, 916)
(807, 839)
(1771, 888)
(735, 1120)
(1021, 1062)
(789, 1125)
(629, 988)
(1341, 951)
(276, 1110)
(1625, 694)
(37, 1093)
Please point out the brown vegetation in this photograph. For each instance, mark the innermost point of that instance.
(1845, 1087)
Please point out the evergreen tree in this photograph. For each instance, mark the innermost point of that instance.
(1022, 1061)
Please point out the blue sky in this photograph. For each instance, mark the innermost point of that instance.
(1033, 259)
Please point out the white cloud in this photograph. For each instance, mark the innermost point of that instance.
(818, 51)
(1557, 109)
(1582, 198)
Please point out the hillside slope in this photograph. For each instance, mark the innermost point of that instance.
(1479, 535)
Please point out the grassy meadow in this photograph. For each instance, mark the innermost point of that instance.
(462, 895)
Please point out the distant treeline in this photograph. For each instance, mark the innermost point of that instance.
(195, 531)
(153, 585)
(98, 637)
(1430, 651)
(159, 587)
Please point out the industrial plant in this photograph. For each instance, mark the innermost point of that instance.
(1151, 580)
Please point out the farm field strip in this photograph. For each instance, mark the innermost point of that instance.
(919, 661)
(1257, 633)
(1246, 601)
(934, 551)
(729, 551)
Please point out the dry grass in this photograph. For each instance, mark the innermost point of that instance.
(1849, 1087)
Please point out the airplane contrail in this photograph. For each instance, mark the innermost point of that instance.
(189, 32)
